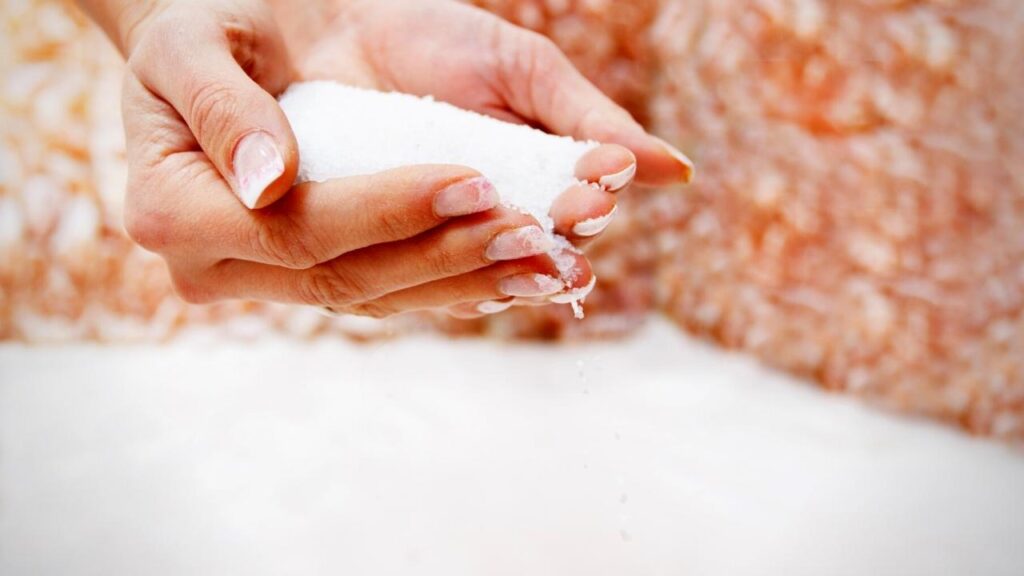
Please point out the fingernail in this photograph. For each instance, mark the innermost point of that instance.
(686, 163)
(594, 226)
(493, 306)
(466, 197)
(519, 243)
(529, 285)
(574, 295)
(619, 180)
(257, 163)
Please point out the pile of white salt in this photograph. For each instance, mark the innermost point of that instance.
(346, 131)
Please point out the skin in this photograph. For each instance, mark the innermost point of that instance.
(202, 76)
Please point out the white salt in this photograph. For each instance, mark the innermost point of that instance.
(346, 131)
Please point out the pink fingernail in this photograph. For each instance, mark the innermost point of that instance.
(594, 226)
(257, 163)
(619, 180)
(493, 307)
(519, 243)
(529, 285)
(684, 162)
(576, 294)
(466, 197)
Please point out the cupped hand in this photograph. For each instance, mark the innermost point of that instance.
(202, 123)
(470, 58)
(474, 60)
(477, 61)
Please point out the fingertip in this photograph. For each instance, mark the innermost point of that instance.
(683, 168)
(438, 192)
(435, 177)
(658, 162)
(661, 164)
(577, 294)
(610, 165)
(594, 226)
(280, 187)
(258, 165)
(578, 276)
(264, 160)
(619, 180)
(583, 211)
(582, 275)
(464, 197)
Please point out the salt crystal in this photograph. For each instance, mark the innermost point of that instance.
(346, 131)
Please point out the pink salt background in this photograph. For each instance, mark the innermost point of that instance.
(857, 217)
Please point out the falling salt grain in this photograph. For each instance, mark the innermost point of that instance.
(346, 131)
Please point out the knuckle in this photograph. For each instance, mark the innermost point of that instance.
(152, 229)
(445, 262)
(591, 121)
(190, 288)
(279, 246)
(392, 224)
(542, 46)
(542, 54)
(327, 286)
(212, 107)
(524, 56)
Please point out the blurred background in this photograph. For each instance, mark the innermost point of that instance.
(857, 222)
(857, 218)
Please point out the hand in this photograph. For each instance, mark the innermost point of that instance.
(477, 61)
(472, 59)
(201, 122)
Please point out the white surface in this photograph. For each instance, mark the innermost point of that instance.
(345, 131)
(654, 456)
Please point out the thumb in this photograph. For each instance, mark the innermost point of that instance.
(542, 84)
(229, 109)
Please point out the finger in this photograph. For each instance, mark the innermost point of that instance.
(534, 277)
(541, 83)
(178, 205)
(472, 310)
(315, 223)
(220, 79)
(162, 160)
(319, 222)
(582, 212)
(450, 251)
(578, 294)
(611, 166)
(575, 272)
(530, 280)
